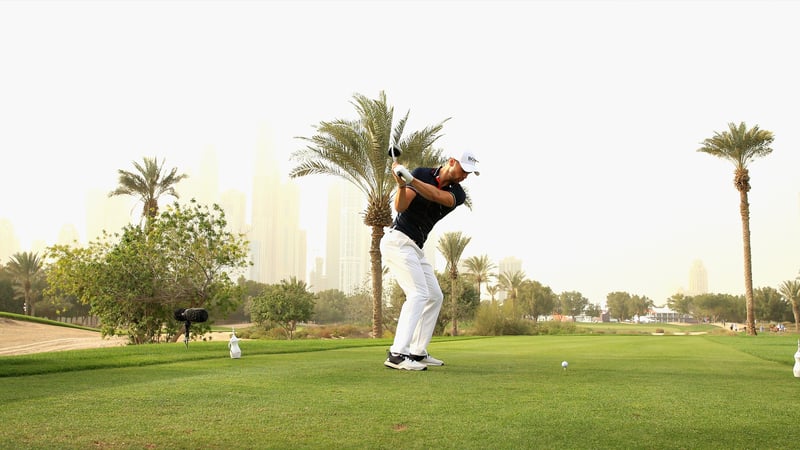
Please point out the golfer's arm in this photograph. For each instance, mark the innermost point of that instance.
(403, 198)
(433, 194)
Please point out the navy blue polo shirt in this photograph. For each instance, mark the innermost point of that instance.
(418, 219)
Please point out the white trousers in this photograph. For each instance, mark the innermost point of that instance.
(424, 297)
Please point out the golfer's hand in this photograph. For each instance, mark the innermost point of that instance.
(403, 174)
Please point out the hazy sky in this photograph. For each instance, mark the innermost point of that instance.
(586, 117)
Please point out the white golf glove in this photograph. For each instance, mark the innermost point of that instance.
(403, 173)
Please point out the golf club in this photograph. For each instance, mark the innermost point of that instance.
(401, 171)
(395, 152)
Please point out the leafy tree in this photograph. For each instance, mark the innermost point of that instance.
(680, 303)
(24, 268)
(712, 306)
(640, 305)
(536, 299)
(770, 305)
(593, 310)
(285, 304)
(330, 306)
(358, 306)
(790, 290)
(8, 302)
(451, 245)
(573, 303)
(619, 305)
(118, 280)
(479, 268)
(148, 184)
(136, 280)
(356, 150)
(740, 145)
(201, 254)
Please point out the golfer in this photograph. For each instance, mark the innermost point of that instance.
(423, 198)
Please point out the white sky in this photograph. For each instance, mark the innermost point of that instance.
(586, 117)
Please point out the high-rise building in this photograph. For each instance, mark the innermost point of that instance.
(202, 184)
(109, 214)
(68, 235)
(234, 203)
(9, 243)
(316, 278)
(330, 277)
(347, 240)
(278, 246)
(508, 266)
(698, 279)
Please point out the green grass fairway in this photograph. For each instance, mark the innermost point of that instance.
(619, 392)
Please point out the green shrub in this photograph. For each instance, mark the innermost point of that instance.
(494, 320)
(552, 327)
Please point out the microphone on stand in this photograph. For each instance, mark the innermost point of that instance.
(189, 315)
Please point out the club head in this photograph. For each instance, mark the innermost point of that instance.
(395, 152)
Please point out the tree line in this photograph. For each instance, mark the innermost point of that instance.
(184, 255)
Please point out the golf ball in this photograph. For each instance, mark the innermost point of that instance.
(564, 364)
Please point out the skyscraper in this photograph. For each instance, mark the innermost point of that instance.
(111, 214)
(316, 278)
(202, 184)
(698, 279)
(278, 245)
(68, 235)
(9, 243)
(234, 203)
(508, 266)
(347, 239)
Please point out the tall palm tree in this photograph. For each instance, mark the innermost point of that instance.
(357, 151)
(452, 245)
(740, 145)
(790, 290)
(24, 268)
(148, 184)
(480, 268)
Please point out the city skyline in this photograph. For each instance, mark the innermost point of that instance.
(343, 208)
(586, 118)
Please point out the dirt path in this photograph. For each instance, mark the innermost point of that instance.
(20, 338)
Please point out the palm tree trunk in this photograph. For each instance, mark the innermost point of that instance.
(796, 312)
(454, 305)
(377, 281)
(28, 298)
(744, 209)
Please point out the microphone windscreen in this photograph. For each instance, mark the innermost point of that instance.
(196, 315)
(178, 314)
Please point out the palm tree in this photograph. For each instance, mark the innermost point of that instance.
(479, 267)
(790, 290)
(510, 282)
(740, 145)
(24, 268)
(148, 184)
(492, 289)
(452, 245)
(357, 151)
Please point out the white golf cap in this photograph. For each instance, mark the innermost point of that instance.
(468, 161)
